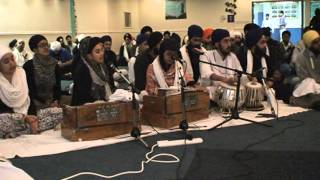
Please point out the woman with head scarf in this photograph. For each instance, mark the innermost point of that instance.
(164, 71)
(15, 101)
(93, 79)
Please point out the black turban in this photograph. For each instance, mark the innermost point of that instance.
(195, 31)
(106, 38)
(154, 39)
(219, 34)
(253, 37)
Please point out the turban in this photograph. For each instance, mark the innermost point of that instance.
(219, 34)
(195, 31)
(309, 37)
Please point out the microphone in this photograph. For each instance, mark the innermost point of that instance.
(179, 59)
(113, 67)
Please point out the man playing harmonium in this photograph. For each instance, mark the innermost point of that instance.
(164, 71)
(212, 76)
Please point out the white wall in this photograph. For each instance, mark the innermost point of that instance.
(22, 18)
(99, 17)
(206, 13)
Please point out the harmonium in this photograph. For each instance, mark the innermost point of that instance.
(165, 109)
(97, 120)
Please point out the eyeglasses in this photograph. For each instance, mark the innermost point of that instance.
(43, 45)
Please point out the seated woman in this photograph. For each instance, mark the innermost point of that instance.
(15, 101)
(43, 76)
(164, 71)
(44, 82)
(93, 79)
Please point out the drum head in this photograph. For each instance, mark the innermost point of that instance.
(254, 85)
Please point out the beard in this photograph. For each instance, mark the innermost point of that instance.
(260, 52)
(224, 51)
(315, 51)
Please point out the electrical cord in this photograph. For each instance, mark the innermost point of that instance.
(148, 160)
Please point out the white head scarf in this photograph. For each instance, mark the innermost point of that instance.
(14, 94)
(55, 46)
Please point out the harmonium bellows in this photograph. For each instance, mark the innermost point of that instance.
(97, 120)
(165, 110)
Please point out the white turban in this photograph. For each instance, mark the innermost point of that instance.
(55, 46)
(233, 34)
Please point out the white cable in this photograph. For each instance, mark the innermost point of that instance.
(152, 159)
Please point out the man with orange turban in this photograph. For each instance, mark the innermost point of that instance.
(207, 44)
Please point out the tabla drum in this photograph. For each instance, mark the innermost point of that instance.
(254, 96)
(225, 96)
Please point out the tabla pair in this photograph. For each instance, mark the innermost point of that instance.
(251, 95)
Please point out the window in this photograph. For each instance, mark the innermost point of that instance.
(127, 19)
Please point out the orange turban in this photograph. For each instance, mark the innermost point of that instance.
(207, 33)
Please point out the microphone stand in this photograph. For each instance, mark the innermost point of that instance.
(135, 132)
(183, 123)
(235, 111)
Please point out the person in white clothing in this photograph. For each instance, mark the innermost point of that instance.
(307, 93)
(142, 46)
(267, 22)
(20, 54)
(212, 76)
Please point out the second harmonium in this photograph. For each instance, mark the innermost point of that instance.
(97, 120)
(165, 110)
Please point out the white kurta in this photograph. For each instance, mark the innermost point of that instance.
(20, 60)
(131, 69)
(213, 56)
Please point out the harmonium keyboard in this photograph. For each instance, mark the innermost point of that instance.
(165, 111)
(97, 120)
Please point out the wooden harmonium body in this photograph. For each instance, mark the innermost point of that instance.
(165, 110)
(97, 120)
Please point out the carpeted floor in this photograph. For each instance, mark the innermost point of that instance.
(289, 150)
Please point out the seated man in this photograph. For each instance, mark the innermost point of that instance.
(142, 46)
(63, 57)
(144, 59)
(192, 50)
(127, 50)
(222, 56)
(164, 71)
(20, 54)
(307, 93)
